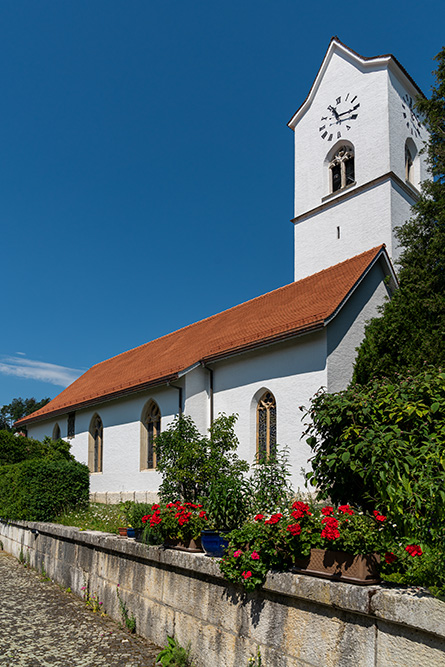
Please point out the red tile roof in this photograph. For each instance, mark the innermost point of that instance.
(294, 309)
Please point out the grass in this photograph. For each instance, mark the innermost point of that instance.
(106, 518)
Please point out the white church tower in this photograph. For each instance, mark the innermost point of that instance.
(358, 166)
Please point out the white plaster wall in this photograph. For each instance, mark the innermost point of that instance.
(197, 403)
(121, 439)
(345, 332)
(293, 371)
(364, 222)
(399, 132)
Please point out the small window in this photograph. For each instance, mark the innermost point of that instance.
(71, 425)
(409, 165)
(95, 444)
(56, 432)
(342, 168)
(266, 425)
(150, 428)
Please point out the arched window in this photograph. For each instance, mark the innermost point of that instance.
(342, 168)
(150, 428)
(56, 432)
(409, 165)
(95, 444)
(266, 425)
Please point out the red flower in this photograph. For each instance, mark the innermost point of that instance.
(345, 509)
(145, 518)
(247, 574)
(274, 518)
(238, 553)
(259, 517)
(390, 557)
(155, 519)
(378, 516)
(300, 508)
(203, 515)
(255, 556)
(155, 507)
(327, 510)
(414, 550)
(184, 518)
(330, 532)
(330, 521)
(294, 528)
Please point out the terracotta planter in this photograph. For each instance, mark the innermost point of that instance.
(122, 532)
(192, 546)
(340, 566)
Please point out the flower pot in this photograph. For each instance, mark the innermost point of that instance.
(340, 566)
(122, 532)
(214, 543)
(192, 546)
(131, 532)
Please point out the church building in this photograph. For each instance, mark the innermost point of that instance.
(358, 169)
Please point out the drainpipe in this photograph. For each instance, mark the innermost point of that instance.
(203, 364)
(169, 384)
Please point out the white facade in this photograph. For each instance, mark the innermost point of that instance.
(361, 104)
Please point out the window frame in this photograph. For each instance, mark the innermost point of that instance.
(266, 405)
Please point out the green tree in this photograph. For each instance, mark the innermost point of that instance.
(189, 461)
(18, 408)
(411, 330)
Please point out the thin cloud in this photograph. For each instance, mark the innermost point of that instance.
(61, 376)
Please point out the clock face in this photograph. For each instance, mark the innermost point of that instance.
(339, 117)
(410, 118)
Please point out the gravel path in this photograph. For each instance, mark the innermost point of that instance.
(42, 626)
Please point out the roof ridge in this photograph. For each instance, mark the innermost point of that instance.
(238, 305)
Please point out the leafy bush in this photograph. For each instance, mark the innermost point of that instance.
(14, 448)
(39, 489)
(381, 445)
(189, 461)
(174, 655)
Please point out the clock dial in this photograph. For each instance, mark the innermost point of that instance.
(339, 117)
(411, 119)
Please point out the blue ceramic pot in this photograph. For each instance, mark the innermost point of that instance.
(131, 532)
(214, 543)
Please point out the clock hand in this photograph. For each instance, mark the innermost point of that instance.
(349, 111)
(334, 111)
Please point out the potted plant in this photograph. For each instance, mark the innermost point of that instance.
(228, 505)
(340, 544)
(177, 525)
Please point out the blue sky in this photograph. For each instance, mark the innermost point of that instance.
(146, 164)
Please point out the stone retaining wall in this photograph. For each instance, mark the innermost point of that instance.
(295, 620)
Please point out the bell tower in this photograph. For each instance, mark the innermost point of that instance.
(358, 166)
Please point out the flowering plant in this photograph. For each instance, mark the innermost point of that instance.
(281, 538)
(181, 521)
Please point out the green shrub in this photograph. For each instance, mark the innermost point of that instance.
(14, 448)
(382, 445)
(189, 462)
(39, 489)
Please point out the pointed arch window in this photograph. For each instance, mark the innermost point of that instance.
(409, 165)
(56, 432)
(150, 428)
(95, 444)
(266, 425)
(342, 168)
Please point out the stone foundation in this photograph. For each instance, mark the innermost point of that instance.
(295, 620)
